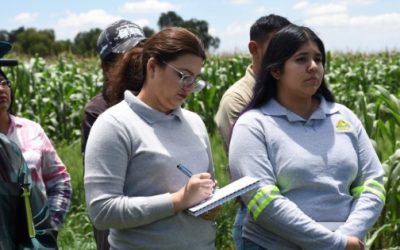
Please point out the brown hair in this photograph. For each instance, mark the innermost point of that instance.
(166, 45)
(124, 76)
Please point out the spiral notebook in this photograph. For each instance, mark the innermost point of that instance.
(224, 194)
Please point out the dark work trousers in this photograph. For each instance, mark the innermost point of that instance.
(101, 239)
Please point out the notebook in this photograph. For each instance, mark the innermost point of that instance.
(224, 194)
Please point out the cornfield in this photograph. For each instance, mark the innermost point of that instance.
(54, 94)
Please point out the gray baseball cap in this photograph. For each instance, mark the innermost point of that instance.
(118, 37)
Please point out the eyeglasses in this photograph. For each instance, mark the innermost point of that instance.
(188, 81)
(4, 83)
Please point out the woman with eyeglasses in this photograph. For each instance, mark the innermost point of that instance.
(48, 172)
(132, 183)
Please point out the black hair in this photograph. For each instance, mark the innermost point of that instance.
(284, 44)
(265, 25)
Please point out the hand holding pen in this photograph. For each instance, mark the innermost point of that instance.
(198, 188)
(213, 213)
(189, 173)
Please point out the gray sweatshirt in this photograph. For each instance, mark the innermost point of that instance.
(321, 178)
(130, 172)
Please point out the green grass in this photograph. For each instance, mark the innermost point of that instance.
(76, 232)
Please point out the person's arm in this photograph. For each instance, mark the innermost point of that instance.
(230, 107)
(90, 114)
(88, 119)
(368, 190)
(57, 181)
(248, 156)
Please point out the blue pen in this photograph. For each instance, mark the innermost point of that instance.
(184, 170)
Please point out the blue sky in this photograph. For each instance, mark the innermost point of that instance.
(343, 25)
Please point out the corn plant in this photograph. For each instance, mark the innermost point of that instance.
(54, 92)
(220, 75)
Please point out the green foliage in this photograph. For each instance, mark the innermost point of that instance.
(386, 231)
(31, 42)
(169, 19)
(54, 94)
(199, 27)
(76, 232)
(369, 86)
(228, 211)
(86, 42)
(220, 73)
(148, 32)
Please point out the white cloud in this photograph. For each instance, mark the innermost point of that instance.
(142, 22)
(236, 28)
(26, 17)
(326, 9)
(362, 33)
(72, 23)
(261, 10)
(316, 9)
(340, 30)
(337, 15)
(235, 37)
(240, 2)
(358, 2)
(212, 31)
(384, 21)
(301, 5)
(147, 6)
(334, 20)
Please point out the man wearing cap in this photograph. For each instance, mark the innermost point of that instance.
(112, 43)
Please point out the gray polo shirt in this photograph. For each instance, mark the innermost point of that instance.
(308, 170)
(130, 173)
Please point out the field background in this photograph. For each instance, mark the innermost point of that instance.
(54, 91)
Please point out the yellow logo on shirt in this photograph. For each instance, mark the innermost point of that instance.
(343, 125)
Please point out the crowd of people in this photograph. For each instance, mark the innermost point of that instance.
(321, 182)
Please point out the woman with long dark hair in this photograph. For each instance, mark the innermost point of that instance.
(321, 178)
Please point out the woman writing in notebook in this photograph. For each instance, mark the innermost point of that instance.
(321, 178)
(132, 183)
